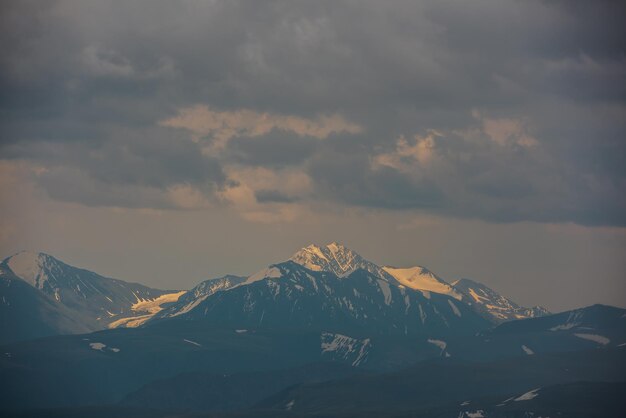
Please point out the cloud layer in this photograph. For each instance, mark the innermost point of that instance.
(503, 111)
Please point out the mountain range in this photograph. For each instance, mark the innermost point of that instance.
(302, 337)
(42, 296)
(327, 287)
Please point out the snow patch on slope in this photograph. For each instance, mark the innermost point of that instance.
(97, 346)
(476, 414)
(192, 342)
(102, 346)
(290, 404)
(154, 305)
(594, 337)
(345, 348)
(419, 278)
(441, 344)
(148, 307)
(564, 327)
(454, 309)
(384, 287)
(527, 396)
(573, 320)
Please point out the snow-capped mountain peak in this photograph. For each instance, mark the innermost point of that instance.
(332, 257)
(288, 295)
(420, 278)
(85, 300)
(335, 258)
(36, 269)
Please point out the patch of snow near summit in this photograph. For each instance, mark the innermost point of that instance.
(268, 273)
(594, 337)
(418, 278)
(527, 396)
(308, 255)
(27, 266)
(527, 350)
(477, 414)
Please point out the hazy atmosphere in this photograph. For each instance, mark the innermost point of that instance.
(185, 140)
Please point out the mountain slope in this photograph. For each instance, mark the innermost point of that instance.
(417, 390)
(342, 261)
(199, 293)
(589, 319)
(289, 296)
(104, 366)
(76, 300)
(572, 400)
(26, 313)
(221, 392)
(492, 305)
(596, 326)
(115, 362)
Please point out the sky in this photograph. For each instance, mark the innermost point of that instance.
(167, 142)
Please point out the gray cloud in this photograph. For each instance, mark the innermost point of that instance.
(276, 149)
(273, 196)
(132, 168)
(86, 85)
(352, 181)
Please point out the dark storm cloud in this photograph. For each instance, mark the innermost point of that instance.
(128, 169)
(85, 85)
(273, 196)
(351, 180)
(73, 185)
(275, 149)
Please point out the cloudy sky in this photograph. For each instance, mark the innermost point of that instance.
(168, 142)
